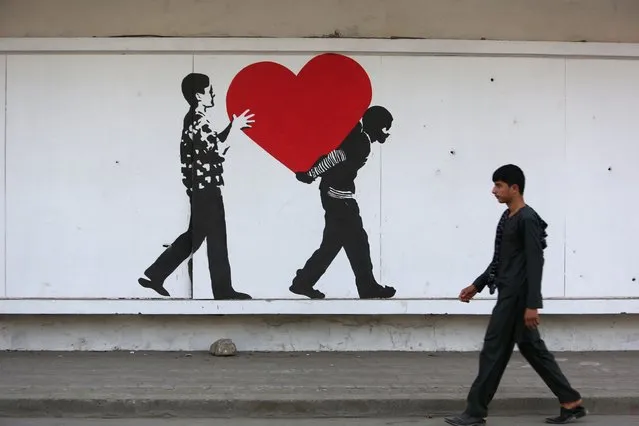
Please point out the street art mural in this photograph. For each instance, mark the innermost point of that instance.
(300, 178)
(331, 94)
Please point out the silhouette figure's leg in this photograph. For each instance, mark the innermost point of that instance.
(356, 244)
(172, 257)
(322, 258)
(217, 250)
(358, 252)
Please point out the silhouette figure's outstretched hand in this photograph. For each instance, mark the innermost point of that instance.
(243, 120)
(303, 177)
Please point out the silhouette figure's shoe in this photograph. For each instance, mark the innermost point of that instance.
(158, 287)
(304, 290)
(233, 295)
(378, 292)
(465, 420)
(567, 415)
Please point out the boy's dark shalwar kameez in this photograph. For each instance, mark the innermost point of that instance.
(516, 272)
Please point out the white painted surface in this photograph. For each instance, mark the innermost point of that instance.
(93, 181)
(603, 134)
(3, 86)
(458, 119)
(302, 333)
(81, 225)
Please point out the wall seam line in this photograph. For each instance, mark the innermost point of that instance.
(4, 177)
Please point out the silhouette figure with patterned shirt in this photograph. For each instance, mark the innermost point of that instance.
(202, 152)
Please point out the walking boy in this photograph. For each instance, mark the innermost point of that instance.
(516, 272)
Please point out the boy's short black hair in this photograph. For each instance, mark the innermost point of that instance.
(511, 175)
(192, 84)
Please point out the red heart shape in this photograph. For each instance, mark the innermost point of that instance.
(299, 118)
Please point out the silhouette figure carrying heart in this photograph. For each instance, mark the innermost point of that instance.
(310, 122)
(301, 117)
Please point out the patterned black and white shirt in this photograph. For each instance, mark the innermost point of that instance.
(202, 152)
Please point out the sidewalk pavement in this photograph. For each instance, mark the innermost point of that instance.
(372, 384)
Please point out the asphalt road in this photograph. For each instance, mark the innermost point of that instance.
(494, 421)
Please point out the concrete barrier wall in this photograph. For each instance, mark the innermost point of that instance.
(547, 20)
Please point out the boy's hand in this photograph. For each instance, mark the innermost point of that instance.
(468, 293)
(531, 318)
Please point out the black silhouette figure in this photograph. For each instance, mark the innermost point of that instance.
(202, 152)
(343, 224)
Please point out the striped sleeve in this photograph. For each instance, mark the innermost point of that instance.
(331, 160)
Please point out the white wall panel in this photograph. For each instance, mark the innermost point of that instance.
(600, 186)
(93, 188)
(94, 191)
(458, 119)
(3, 86)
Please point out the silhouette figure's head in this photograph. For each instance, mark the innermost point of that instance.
(197, 90)
(377, 122)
